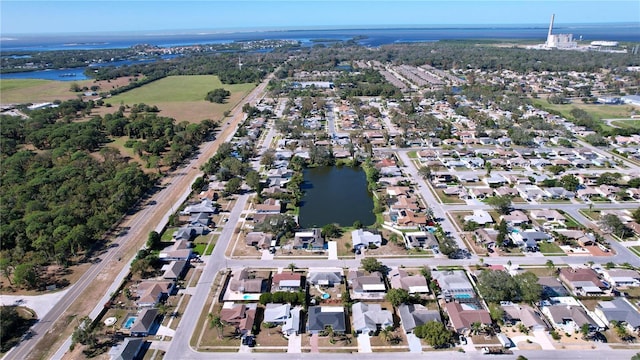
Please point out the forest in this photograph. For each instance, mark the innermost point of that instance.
(62, 188)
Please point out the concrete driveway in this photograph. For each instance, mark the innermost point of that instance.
(295, 344)
(364, 343)
(332, 247)
(415, 346)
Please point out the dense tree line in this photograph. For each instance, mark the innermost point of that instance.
(62, 188)
(225, 66)
(366, 83)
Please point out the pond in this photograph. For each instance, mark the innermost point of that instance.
(335, 195)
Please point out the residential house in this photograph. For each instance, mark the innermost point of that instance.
(151, 292)
(457, 190)
(486, 236)
(480, 217)
(587, 193)
(506, 191)
(608, 191)
(413, 284)
(582, 281)
(310, 239)
(179, 250)
(258, 239)
(129, 349)
(269, 206)
(398, 190)
(324, 276)
(463, 316)
(187, 233)
(531, 192)
(292, 325)
(551, 215)
(454, 284)
(481, 193)
(559, 193)
(206, 206)
(367, 286)
(276, 314)
(364, 239)
(622, 277)
(174, 270)
(409, 219)
(243, 282)
(621, 311)
(199, 220)
(321, 317)
(568, 316)
(242, 316)
(287, 281)
(552, 287)
(403, 202)
(414, 315)
(515, 218)
(529, 239)
(420, 240)
(369, 318)
(515, 313)
(144, 323)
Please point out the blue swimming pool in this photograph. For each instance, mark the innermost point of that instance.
(129, 323)
(462, 296)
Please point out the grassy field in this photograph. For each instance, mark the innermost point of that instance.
(182, 97)
(632, 124)
(34, 91)
(598, 111)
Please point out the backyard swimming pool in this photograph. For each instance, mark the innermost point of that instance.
(129, 322)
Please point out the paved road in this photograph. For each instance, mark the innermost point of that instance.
(430, 199)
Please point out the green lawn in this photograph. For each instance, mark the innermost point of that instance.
(550, 248)
(177, 89)
(17, 84)
(598, 111)
(199, 248)
(632, 124)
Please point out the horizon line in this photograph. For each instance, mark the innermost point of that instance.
(211, 31)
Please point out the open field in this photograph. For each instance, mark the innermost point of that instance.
(598, 111)
(631, 124)
(34, 91)
(20, 91)
(182, 97)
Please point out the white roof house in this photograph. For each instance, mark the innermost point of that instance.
(361, 238)
(480, 217)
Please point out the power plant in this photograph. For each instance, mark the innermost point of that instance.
(559, 41)
(566, 42)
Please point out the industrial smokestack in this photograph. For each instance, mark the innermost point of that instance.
(551, 25)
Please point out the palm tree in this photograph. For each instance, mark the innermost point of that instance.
(215, 321)
(385, 335)
(292, 267)
(551, 266)
(476, 327)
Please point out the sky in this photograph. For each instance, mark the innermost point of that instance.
(95, 16)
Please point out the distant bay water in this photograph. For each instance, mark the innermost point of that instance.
(370, 37)
(627, 32)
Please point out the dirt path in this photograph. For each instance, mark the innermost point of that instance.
(54, 332)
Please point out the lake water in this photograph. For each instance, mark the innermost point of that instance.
(335, 195)
(77, 74)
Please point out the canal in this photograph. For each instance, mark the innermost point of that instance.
(335, 195)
